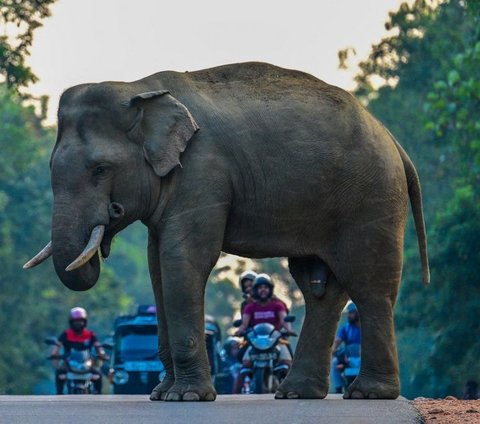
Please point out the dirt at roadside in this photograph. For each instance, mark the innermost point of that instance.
(448, 411)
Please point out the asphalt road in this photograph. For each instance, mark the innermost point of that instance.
(231, 409)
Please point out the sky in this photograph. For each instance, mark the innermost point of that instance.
(98, 40)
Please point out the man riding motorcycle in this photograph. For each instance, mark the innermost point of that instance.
(77, 337)
(349, 334)
(268, 309)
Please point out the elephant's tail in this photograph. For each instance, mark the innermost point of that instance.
(415, 194)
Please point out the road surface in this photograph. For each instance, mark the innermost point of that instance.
(231, 409)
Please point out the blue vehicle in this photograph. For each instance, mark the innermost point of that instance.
(135, 367)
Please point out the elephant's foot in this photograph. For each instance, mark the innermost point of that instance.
(191, 392)
(301, 387)
(160, 391)
(370, 388)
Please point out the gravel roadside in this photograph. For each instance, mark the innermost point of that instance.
(448, 411)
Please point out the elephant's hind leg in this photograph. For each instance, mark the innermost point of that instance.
(378, 378)
(308, 377)
(372, 283)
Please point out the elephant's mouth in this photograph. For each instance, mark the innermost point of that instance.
(82, 272)
(106, 244)
(117, 223)
(100, 240)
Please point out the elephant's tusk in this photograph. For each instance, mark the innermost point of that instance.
(90, 249)
(45, 253)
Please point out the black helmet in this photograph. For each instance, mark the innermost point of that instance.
(247, 275)
(230, 343)
(262, 279)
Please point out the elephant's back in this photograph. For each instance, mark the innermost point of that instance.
(250, 86)
(294, 149)
(258, 79)
(265, 118)
(248, 74)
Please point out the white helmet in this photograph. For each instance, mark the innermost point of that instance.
(247, 275)
(77, 313)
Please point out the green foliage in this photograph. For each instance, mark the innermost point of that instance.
(453, 105)
(21, 18)
(428, 97)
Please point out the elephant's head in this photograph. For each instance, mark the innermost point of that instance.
(112, 147)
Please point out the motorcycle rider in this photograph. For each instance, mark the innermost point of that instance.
(268, 309)
(246, 284)
(77, 337)
(231, 350)
(349, 333)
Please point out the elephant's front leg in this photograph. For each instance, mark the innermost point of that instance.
(159, 392)
(184, 273)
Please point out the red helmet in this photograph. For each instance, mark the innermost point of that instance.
(77, 313)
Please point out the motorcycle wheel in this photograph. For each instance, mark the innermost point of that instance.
(259, 381)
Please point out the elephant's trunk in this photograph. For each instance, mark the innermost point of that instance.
(75, 250)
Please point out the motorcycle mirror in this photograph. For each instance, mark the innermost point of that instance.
(237, 323)
(107, 345)
(52, 341)
(290, 318)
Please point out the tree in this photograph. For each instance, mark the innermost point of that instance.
(20, 18)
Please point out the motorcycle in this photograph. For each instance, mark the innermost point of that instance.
(78, 366)
(349, 362)
(266, 374)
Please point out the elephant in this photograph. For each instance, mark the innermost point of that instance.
(249, 159)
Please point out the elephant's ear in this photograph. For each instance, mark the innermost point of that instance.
(164, 126)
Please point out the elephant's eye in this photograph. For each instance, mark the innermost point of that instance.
(100, 171)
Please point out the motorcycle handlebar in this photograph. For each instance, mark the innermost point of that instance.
(100, 357)
(56, 357)
(284, 332)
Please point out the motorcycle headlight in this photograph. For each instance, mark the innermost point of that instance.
(120, 377)
(79, 367)
(263, 343)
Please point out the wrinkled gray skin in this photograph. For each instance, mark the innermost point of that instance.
(275, 163)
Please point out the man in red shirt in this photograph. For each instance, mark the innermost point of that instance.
(77, 337)
(265, 309)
